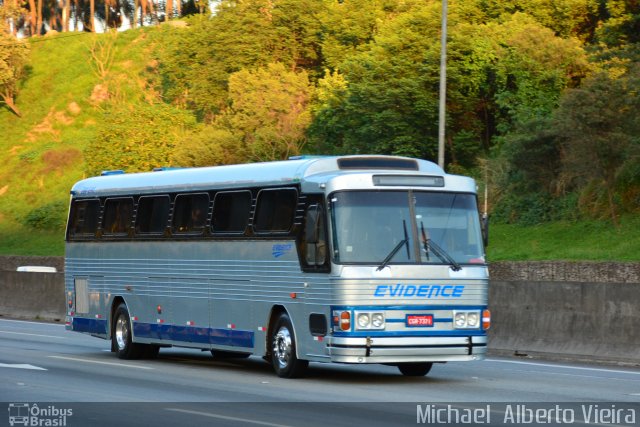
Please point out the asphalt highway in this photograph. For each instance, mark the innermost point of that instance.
(56, 377)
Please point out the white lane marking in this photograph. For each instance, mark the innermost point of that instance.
(32, 322)
(21, 366)
(224, 417)
(75, 359)
(549, 365)
(31, 335)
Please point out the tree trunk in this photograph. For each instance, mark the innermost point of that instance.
(32, 17)
(65, 15)
(134, 20)
(169, 10)
(179, 7)
(92, 13)
(106, 14)
(39, 20)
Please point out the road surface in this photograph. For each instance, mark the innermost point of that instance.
(74, 379)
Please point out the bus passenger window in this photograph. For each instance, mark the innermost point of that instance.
(275, 210)
(190, 213)
(117, 216)
(231, 211)
(83, 219)
(153, 214)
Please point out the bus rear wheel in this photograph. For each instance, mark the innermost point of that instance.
(418, 369)
(121, 337)
(284, 360)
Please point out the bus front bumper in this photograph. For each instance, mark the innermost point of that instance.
(406, 349)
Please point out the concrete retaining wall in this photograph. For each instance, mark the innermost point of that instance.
(32, 295)
(10, 263)
(575, 320)
(559, 309)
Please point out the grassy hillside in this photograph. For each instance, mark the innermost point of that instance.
(42, 151)
(43, 155)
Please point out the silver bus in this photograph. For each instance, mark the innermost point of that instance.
(348, 259)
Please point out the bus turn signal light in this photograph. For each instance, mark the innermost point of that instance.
(486, 319)
(345, 321)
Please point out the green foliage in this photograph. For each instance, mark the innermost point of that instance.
(598, 125)
(197, 62)
(533, 68)
(137, 138)
(14, 56)
(590, 148)
(51, 216)
(264, 79)
(210, 145)
(270, 109)
(266, 119)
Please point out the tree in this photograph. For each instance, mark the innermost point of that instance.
(267, 118)
(598, 125)
(270, 109)
(534, 66)
(137, 138)
(14, 56)
(388, 105)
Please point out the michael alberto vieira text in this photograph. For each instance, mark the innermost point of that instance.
(535, 414)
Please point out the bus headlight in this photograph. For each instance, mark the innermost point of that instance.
(466, 319)
(363, 320)
(460, 320)
(377, 320)
(472, 319)
(368, 320)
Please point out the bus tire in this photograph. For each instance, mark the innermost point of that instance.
(283, 350)
(121, 337)
(417, 369)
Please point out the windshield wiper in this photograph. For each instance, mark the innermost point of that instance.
(429, 244)
(395, 250)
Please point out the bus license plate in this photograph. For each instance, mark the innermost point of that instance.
(424, 320)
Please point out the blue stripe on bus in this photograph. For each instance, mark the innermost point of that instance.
(92, 326)
(228, 337)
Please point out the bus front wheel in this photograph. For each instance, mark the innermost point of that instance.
(121, 337)
(415, 369)
(283, 350)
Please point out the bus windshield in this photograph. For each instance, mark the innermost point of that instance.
(405, 227)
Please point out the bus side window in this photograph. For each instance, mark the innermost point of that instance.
(83, 220)
(190, 213)
(275, 210)
(118, 214)
(153, 214)
(315, 240)
(231, 211)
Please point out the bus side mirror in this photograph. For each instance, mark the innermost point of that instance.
(314, 238)
(311, 226)
(484, 223)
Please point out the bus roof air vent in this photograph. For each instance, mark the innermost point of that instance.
(377, 163)
(114, 172)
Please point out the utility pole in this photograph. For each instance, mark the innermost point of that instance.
(443, 85)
